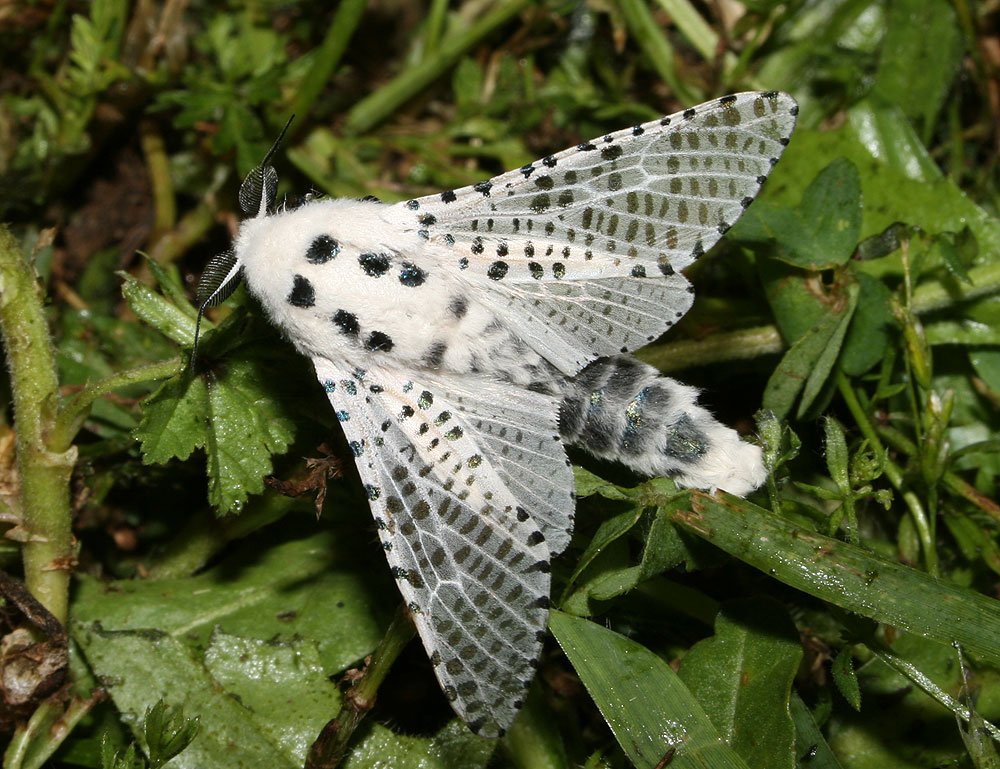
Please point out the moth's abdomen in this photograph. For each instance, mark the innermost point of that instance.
(621, 409)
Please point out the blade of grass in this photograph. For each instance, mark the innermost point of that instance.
(655, 45)
(845, 575)
(370, 111)
(328, 56)
(647, 706)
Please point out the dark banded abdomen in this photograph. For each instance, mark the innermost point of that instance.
(620, 408)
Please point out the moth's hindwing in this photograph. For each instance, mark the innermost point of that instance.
(472, 495)
(561, 246)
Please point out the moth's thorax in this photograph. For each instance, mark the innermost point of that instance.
(352, 279)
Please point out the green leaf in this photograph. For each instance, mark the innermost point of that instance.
(248, 648)
(245, 428)
(237, 418)
(922, 44)
(743, 676)
(836, 454)
(283, 682)
(149, 664)
(306, 588)
(895, 189)
(807, 364)
(610, 529)
(119, 759)
(987, 365)
(822, 231)
(843, 574)
(965, 332)
(159, 313)
(588, 484)
(870, 331)
(166, 733)
(951, 257)
(173, 423)
(810, 744)
(168, 279)
(606, 569)
(646, 705)
(845, 678)
(664, 548)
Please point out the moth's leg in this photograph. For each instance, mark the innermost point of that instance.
(620, 408)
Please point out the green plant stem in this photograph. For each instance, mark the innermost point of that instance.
(764, 340)
(330, 746)
(192, 226)
(164, 204)
(953, 482)
(35, 742)
(434, 26)
(205, 535)
(328, 56)
(18, 751)
(736, 345)
(893, 473)
(74, 412)
(655, 45)
(939, 294)
(372, 110)
(44, 474)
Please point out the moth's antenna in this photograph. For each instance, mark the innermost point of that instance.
(197, 337)
(223, 273)
(221, 277)
(277, 142)
(259, 189)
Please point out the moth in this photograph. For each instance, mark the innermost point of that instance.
(466, 337)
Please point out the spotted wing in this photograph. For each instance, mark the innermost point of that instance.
(567, 245)
(472, 495)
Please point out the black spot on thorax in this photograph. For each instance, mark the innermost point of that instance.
(302, 293)
(374, 265)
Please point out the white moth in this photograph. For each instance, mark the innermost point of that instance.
(463, 338)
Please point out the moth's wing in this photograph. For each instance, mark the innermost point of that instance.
(472, 495)
(566, 247)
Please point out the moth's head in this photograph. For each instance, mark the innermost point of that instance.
(223, 273)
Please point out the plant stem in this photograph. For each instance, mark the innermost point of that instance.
(72, 415)
(763, 340)
(330, 746)
(736, 345)
(656, 46)
(900, 442)
(893, 473)
(164, 204)
(328, 56)
(434, 26)
(938, 294)
(44, 474)
(34, 742)
(192, 226)
(372, 110)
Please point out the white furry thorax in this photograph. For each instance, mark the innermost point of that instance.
(378, 275)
